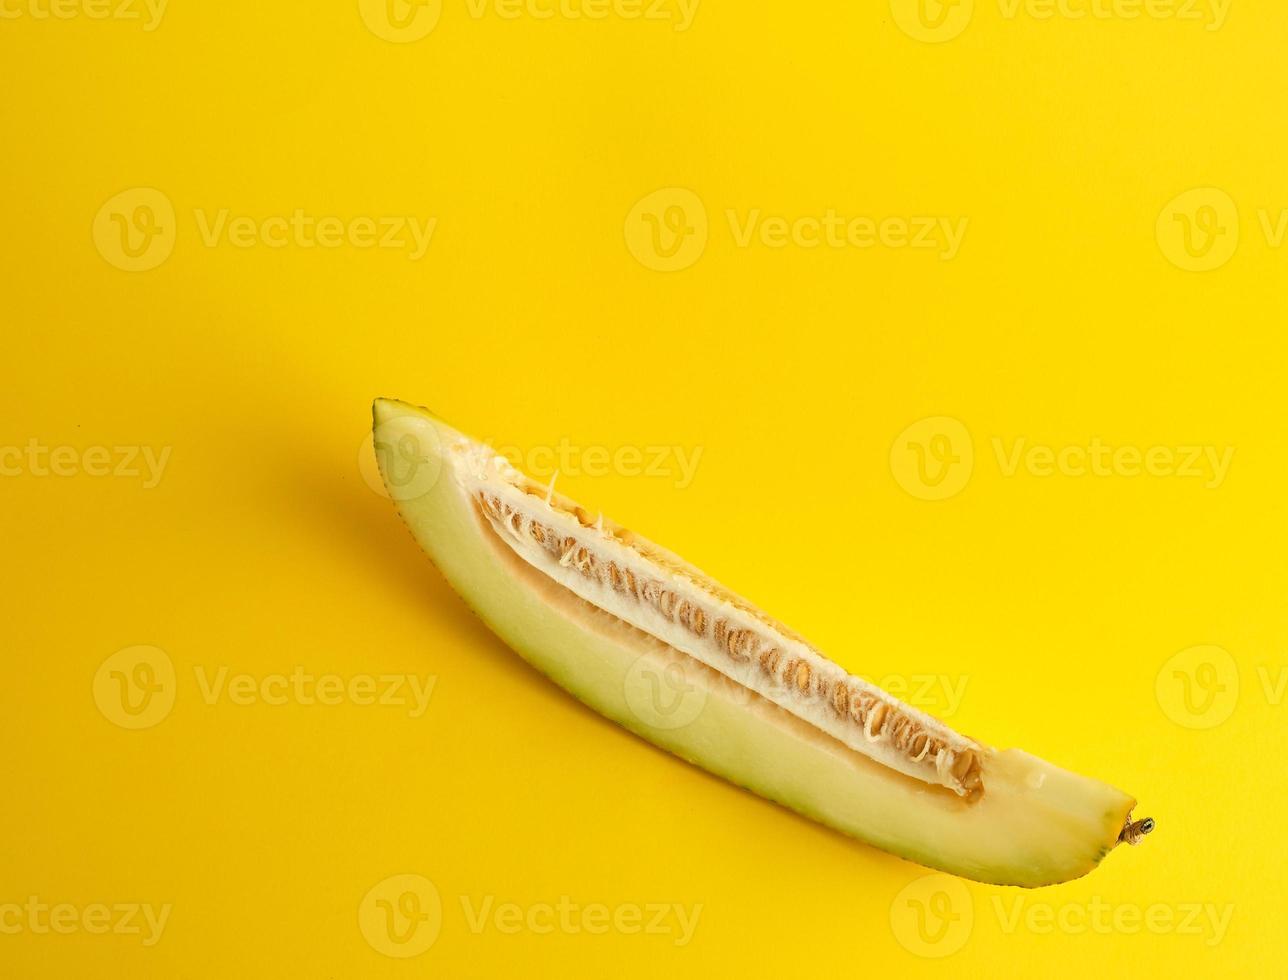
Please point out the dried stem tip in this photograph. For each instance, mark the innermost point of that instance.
(1134, 831)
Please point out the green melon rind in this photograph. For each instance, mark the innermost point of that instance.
(1036, 824)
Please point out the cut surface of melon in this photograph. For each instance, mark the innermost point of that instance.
(618, 621)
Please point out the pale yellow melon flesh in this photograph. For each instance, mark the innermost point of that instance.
(1033, 823)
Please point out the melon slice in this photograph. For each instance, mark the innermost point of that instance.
(611, 616)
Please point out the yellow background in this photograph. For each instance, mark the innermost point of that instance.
(1061, 600)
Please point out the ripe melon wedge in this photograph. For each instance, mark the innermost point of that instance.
(617, 620)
